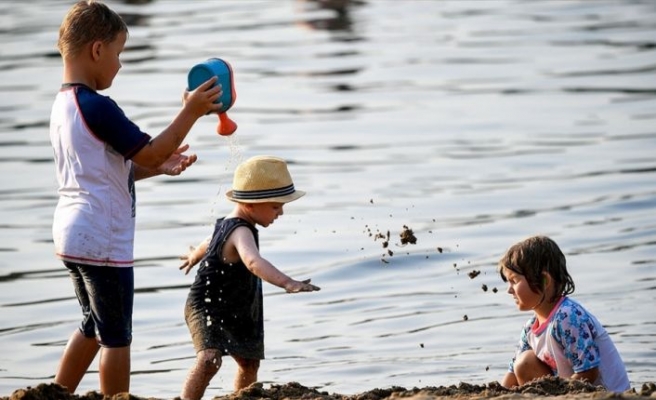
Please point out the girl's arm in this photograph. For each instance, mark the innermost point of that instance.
(574, 330)
(590, 375)
(244, 243)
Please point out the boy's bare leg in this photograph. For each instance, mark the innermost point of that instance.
(206, 366)
(529, 367)
(114, 370)
(246, 372)
(78, 355)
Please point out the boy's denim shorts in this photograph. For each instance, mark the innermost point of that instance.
(106, 295)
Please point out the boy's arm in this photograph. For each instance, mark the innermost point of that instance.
(244, 242)
(194, 255)
(177, 163)
(163, 146)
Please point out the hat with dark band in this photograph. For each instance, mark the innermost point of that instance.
(263, 179)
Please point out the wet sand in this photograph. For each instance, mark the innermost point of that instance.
(548, 388)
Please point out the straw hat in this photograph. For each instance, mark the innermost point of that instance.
(262, 179)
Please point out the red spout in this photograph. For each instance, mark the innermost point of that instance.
(226, 126)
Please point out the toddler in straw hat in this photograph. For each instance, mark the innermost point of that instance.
(224, 306)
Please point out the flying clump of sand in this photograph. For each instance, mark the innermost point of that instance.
(547, 388)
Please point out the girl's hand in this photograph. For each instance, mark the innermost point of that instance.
(301, 286)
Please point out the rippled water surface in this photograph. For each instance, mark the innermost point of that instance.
(473, 123)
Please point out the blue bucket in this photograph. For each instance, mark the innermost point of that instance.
(223, 71)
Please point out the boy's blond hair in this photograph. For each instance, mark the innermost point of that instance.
(86, 22)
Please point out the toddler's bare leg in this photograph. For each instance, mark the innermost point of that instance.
(529, 367)
(207, 365)
(246, 372)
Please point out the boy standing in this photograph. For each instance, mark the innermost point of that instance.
(99, 153)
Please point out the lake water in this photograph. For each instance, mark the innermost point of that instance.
(473, 123)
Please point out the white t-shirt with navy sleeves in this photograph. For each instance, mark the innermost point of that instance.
(93, 142)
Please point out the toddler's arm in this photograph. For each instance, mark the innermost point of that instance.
(301, 286)
(244, 243)
(194, 255)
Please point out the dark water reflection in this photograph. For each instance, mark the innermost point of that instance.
(475, 123)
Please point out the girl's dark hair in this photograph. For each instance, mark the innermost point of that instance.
(533, 256)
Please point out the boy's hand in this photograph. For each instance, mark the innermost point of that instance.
(301, 286)
(201, 100)
(178, 162)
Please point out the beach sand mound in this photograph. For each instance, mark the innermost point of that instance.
(548, 388)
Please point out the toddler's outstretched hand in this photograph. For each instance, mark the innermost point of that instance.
(301, 286)
(190, 259)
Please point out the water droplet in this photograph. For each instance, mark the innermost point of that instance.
(208, 300)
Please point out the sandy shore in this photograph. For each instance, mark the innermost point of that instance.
(550, 388)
